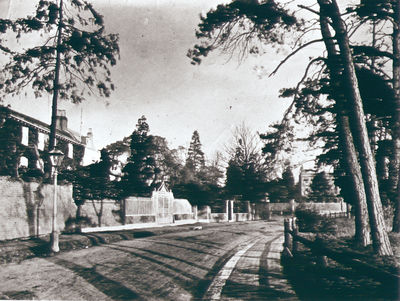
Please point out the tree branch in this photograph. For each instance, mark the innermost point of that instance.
(293, 53)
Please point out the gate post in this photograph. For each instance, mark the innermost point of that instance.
(123, 211)
(230, 214)
(194, 210)
(227, 209)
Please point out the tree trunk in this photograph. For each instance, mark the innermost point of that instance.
(56, 83)
(362, 233)
(396, 218)
(380, 239)
(352, 167)
(395, 161)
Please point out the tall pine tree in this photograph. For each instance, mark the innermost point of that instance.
(195, 158)
(139, 170)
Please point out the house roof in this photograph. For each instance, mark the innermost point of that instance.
(28, 121)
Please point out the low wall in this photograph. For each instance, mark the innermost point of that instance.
(185, 216)
(26, 208)
(204, 213)
(324, 207)
(218, 217)
(277, 208)
(289, 208)
(140, 219)
(242, 217)
(109, 210)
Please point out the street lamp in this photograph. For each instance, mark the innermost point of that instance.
(56, 157)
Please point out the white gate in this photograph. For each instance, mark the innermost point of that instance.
(164, 201)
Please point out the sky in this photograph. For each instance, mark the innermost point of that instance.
(154, 78)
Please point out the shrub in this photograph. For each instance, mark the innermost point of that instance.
(74, 225)
(311, 221)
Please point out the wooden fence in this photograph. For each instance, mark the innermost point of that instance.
(347, 258)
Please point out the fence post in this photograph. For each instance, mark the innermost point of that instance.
(287, 227)
(295, 229)
(322, 260)
(194, 209)
(268, 207)
(348, 210)
(292, 206)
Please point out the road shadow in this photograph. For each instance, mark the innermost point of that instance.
(162, 255)
(109, 287)
(18, 295)
(241, 291)
(182, 278)
(170, 244)
(198, 241)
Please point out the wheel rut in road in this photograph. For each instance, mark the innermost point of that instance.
(253, 272)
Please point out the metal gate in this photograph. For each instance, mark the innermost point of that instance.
(163, 200)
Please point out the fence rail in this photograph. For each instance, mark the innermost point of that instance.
(335, 214)
(353, 260)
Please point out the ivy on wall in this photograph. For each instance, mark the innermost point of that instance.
(12, 150)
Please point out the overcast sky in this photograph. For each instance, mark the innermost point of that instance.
(155, 78)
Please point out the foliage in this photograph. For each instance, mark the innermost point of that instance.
(139, 171)
(197, 181)
(195, 157)
(283, 189)
(74, 225)
(245, 174)
(91, 182)
(223, 27)
(321, 189)
(77, 42)
(167, 162)
(310, 221)
(10, 148)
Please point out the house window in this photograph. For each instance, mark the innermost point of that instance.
(25, 136)
(40, 165)
(70, 151)
(42, 141)
(23, 162)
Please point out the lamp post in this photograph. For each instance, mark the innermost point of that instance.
(56, 157)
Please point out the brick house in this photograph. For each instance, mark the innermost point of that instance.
(24, 142)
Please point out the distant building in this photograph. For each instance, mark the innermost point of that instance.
(306, 177)
(24, 142)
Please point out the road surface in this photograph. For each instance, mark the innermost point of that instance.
(231, 261)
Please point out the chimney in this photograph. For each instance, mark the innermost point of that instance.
(62, 120)
(89, 139)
